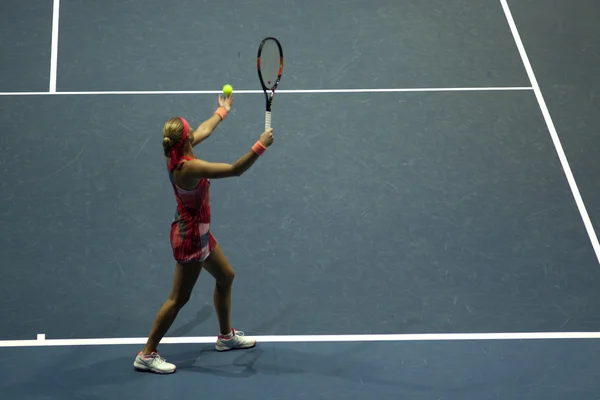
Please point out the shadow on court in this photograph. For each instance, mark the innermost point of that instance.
(396, 370)
(347, 365)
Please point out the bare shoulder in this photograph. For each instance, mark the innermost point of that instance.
(199, 169)
(184, 177)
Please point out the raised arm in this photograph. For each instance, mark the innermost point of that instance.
(206, 128)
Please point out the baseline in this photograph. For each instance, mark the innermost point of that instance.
(41, 340)
(282, 91)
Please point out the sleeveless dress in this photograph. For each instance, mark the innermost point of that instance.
(191, 239)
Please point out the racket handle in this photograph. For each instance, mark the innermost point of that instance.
(267, 120)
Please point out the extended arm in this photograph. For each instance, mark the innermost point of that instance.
(198, 169)
(203, 169)
(206, 128)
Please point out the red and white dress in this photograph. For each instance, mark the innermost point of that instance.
(191, 239)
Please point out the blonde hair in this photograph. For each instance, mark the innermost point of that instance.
(172, 134)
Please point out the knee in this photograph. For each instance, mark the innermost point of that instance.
(179, 300)
(226, 279)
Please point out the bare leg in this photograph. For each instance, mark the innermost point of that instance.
(183, 283)
(218, 266)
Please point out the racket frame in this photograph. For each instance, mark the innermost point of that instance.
(269, 92)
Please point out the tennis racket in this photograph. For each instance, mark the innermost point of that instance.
(269, 63)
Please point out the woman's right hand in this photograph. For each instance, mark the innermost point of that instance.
(267, 137)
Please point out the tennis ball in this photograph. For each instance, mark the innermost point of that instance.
(227, 90)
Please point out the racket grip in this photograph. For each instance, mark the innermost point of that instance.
(267, 120)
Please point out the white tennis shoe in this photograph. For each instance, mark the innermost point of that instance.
(236, 341)
(153, 363)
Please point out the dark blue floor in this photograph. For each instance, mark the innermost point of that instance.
(454, 218)
(372, 213)
(121, 45)
(25, 39)
(550, 370)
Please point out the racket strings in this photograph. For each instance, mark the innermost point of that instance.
(270, 63)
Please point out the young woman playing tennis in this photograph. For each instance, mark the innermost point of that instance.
(194, 247)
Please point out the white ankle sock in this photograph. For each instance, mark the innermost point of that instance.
(228, 336)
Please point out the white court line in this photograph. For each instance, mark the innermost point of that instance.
(54, 49)
(313, 339)
(552, 129)
(299, 91)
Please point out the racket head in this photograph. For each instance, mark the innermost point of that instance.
(269, 63)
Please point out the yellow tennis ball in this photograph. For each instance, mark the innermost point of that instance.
(227, 90)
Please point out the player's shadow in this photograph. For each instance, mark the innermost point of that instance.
(353, 362)
(188, 359)
(73, 376)
(278, 359)
(282, 359)
(203, 315)
(357, 363)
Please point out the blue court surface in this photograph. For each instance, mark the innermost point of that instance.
(423, 227)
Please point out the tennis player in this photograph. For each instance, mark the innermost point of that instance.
(194, 246)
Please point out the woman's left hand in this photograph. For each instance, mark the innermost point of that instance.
(225, 102)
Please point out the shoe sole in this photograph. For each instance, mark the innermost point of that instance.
(222, 350)
(143, 368)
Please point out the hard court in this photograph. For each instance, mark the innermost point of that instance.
(423, 226)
